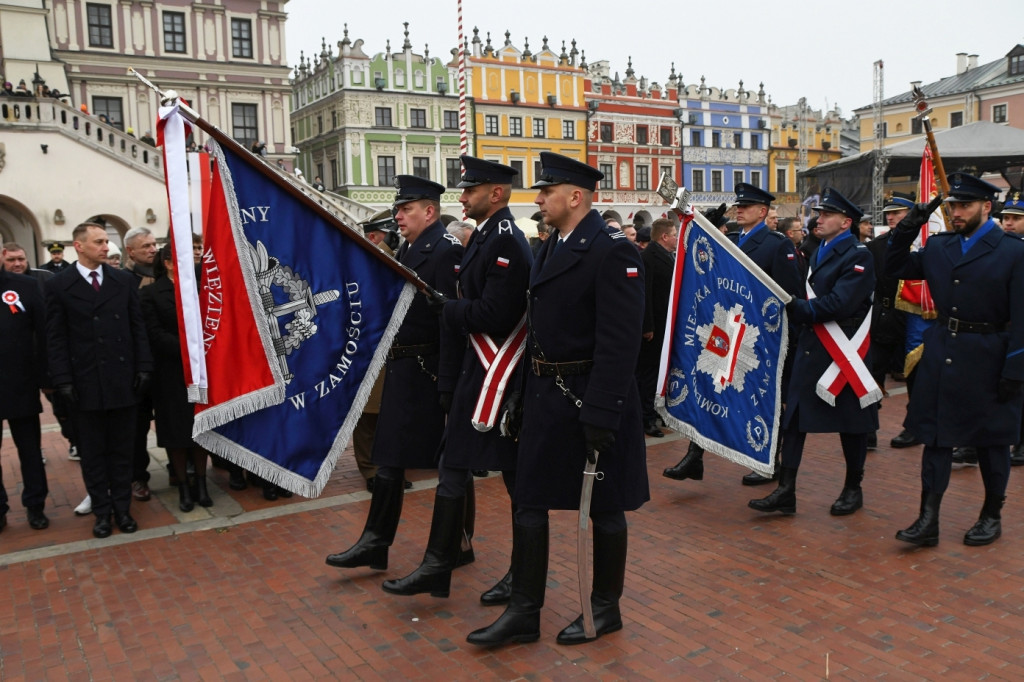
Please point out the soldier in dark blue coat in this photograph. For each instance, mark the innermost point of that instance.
(585, 310)
(411, 419)
(774, 253)
(23, 368)
(969, 379)
(841, 283)
(493, 277)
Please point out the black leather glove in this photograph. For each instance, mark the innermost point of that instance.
(444, 398)
(918, 216)
(511, 419)
(1009, 389)
(65, 395)
(598, 440)
(141, 386)
(436, 300)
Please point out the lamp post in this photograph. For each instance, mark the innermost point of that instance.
(679, 113)
(592, 107)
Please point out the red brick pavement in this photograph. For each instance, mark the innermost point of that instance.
(714, 590)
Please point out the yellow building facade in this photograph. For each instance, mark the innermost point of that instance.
(525, 103)
(801, 138)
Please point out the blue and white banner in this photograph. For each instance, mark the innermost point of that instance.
(330, 306)
(725, 343)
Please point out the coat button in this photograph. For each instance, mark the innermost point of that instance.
(953, 334)
(949, 361)
(956, 281)
(954, 309)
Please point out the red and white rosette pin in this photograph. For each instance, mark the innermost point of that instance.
(13, 301)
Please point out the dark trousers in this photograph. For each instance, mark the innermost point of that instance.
(994, 462)
(105, 439)
(67, 428)
(608, 522)
(28, 440)
(855, 448)
(647, 377)
(140, 453)
(453, 482)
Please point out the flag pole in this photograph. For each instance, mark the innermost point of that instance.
(463, 136)
(222, 138)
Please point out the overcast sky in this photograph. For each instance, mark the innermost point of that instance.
(823, 51)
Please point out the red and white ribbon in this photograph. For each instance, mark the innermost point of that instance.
(13, 300)
(847, 360)
(500, 364)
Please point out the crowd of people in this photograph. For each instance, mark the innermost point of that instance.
(564, 337)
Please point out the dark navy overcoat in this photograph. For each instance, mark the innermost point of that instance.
(586, 303)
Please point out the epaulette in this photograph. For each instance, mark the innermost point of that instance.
(614, 232)
(943, 235)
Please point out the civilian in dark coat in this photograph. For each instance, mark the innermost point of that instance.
(586, 304)
(411, 419)
(969, 379)
(843, 280)
(23, 368)
(659, 262)
(493, 278)
(174, 413)
(100, 363)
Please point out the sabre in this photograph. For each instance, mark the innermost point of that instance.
(921, 105)
(590, 474)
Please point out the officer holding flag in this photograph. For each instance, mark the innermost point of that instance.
(831, 389)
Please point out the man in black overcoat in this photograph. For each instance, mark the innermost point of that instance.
(659, 263)
(586, 304)
(24, 371)
(411, 419)
(100, 364)
(493, 278)
(970, 379)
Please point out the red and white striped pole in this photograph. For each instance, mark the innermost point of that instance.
(463, 138)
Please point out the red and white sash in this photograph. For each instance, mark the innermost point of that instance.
(500, 363)
(847, 360)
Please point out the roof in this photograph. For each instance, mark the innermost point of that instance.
(988, 75)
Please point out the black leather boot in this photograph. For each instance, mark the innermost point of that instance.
(434, 574)
(185, 502)
(203, 498)
(466, 555)
(690, 466)
(782, 499)
(925, 531)
(851, 499)
(520, 622)
(989, 526)
(502, 590)
(609, 577)
(381, 523)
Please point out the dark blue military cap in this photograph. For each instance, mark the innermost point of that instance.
(749, 194)
(643, 235)
(557, 169)
(1014, 204)
(383, 221)
(482, 172)
(831, 200)
(898, 201)
(55, 247)
(964, 187)
(412, 188)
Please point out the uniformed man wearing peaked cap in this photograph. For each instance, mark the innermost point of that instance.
(56, 262)
(487, 319)
(836, 309)
(381, 228)
(894, 332)
(585, 315)
(775, 254)
(1012, 214)
(411, 419)
(971, 374)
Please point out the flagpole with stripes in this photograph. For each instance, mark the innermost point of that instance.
(463, 137)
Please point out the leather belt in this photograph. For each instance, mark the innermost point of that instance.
(561, 369)
(422, 349)
(955, 325)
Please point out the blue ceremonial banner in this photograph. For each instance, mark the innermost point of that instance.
(327, 306)
(725, 343)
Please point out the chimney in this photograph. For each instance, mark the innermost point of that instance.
(961, 62)
(915, 84)
(972, 61)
